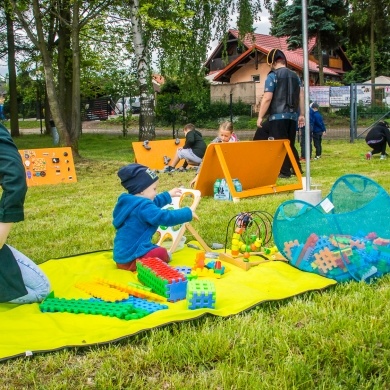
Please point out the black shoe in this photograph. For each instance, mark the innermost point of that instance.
(168, 169)
(282, 176)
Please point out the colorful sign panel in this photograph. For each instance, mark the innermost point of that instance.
(48, 166)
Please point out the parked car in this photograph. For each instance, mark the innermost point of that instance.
(132, 104)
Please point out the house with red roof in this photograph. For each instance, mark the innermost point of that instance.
(242, 70)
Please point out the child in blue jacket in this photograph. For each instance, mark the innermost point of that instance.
(318, 129)
(138, 214)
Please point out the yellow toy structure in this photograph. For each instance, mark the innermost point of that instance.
(255, 163)
(154, 153)
(175, 233)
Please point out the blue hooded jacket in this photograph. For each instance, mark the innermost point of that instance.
(136, 219)
(316, 122)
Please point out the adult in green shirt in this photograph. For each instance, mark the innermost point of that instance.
(21, 280)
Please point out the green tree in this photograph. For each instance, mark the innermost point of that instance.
(369, 25)
(323, 19)
(276, 9)
(43, 20)
(179, 32)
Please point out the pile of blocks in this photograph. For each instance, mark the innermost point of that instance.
(162, 279)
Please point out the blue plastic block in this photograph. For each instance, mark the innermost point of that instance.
(176, 290)
(185, 270)
(201, 294)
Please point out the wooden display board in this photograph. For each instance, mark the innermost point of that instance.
(256, 164)
(154, 157)
(48, 166)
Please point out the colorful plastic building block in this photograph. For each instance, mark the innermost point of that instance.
(201, 294)
(84, 306)
(163, 279)
(105, 292)
(143, 304)
(140, 303)
(143, 292)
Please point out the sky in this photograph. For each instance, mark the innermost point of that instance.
(261, 27)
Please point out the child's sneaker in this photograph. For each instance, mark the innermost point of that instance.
(317, 157)
(368, 156)
(383, 157)
(177, 141)
(168, 169)
(166, 160)
(182, 169)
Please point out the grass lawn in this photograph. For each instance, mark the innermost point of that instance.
(335, 339)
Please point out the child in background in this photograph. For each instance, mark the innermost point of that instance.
(317, 126)
(192, 151)
(225, 134)
(138, 214)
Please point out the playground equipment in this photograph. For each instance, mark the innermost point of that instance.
(48, 166)
(257, 164)
(156, 154)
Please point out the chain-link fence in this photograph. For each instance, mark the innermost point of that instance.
(350, 111)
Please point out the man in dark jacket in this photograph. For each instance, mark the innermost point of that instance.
(283, 98)
(377, 138)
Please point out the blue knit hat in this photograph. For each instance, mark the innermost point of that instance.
(136, 177)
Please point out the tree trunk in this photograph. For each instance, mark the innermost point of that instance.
(14, 117)
(64, 62)
(147, 115)
(372, 53)
(75, 129)
(49, 76)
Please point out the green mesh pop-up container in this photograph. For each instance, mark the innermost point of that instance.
(346, 236)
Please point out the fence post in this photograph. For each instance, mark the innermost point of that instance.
(231, 107)
(353, 113)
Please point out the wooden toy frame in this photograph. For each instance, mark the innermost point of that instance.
(176, 235)
(256, 164)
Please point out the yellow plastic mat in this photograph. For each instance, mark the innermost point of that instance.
(25, 330)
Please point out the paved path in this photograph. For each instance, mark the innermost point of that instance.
(100, 127)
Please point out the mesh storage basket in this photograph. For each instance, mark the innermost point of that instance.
(346, 236)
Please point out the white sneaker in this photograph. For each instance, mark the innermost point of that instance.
(317, 157)
(383, 157)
